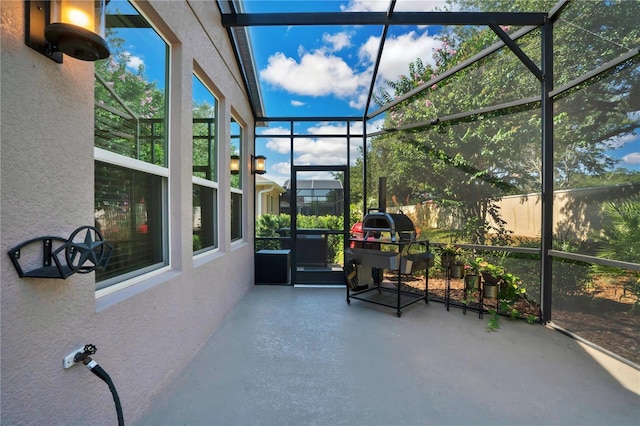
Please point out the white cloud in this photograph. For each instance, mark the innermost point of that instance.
(281, 146)
(617, 142)
(401, 5)
(365, 6)
(632, 158)
(279, 172)
(277, 130)
(337, 41)
(296, 103)
(399, 51)
(283, 168)
(134, 62)
(359, 101)
(322, 72)
(315, 149)
(317, 74)
(375, 125)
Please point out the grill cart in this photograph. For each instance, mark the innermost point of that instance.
(395, 234)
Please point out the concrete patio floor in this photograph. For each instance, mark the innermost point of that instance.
(302, 356)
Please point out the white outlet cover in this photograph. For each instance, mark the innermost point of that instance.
(68, 362)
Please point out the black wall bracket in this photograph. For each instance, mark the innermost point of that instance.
(84, 251)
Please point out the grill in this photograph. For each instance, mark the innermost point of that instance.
(398, 225)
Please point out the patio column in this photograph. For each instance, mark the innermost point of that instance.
(547, 169)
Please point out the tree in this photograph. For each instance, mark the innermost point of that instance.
(472, 162)
(620, 240)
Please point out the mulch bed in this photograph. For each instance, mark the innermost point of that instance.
(600, 318)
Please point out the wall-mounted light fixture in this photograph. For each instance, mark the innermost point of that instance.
(234, 165)
(258, 164)
(72, 27)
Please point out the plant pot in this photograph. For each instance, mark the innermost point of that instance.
(446, 260)
(456, 271)
(490, 290)
(488, 278)
(472, 282)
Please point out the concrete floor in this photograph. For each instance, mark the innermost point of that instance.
(302, 356)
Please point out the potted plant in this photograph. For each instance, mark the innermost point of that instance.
(457, 269)
(448, 254)
(491, 275)
(471, 276)
(500, 285)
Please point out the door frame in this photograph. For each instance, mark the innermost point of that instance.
(293, 210)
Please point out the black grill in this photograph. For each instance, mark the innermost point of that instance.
(398, 225)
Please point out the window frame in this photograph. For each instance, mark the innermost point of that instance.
(119, 282)
(240, 137)
(212, 183)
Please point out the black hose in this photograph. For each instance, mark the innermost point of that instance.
(99, 371)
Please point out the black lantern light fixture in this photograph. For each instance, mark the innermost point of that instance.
(258, 164)
(234, 165)
(71, 27)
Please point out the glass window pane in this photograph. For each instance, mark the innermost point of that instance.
(128, 213)
(204, 218)
(130, 90)
(236, 216)
(236, 149)
(130, 120)
(204, 132)
(205, 166)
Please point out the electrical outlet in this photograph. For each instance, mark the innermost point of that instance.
(68, 361)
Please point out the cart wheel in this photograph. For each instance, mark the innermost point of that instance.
(399, 314)
(348, 302)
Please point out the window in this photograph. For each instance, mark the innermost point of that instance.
(205, 168)
(236, 182)
(131, 146)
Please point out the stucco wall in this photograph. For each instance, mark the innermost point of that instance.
(147, 332)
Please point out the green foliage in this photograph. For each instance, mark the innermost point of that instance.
(468, 165)
(270, 226)
(511, 289)
(493, 323)
(570, 277)
(620, 240)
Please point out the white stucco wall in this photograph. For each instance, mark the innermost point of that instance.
(147, 332)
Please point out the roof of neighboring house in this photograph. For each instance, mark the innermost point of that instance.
(315, 184)
(262, 183)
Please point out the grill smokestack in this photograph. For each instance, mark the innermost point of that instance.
(382, 194)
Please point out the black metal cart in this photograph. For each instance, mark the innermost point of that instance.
(394, 235)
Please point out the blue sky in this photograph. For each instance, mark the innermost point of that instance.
(326, 71)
